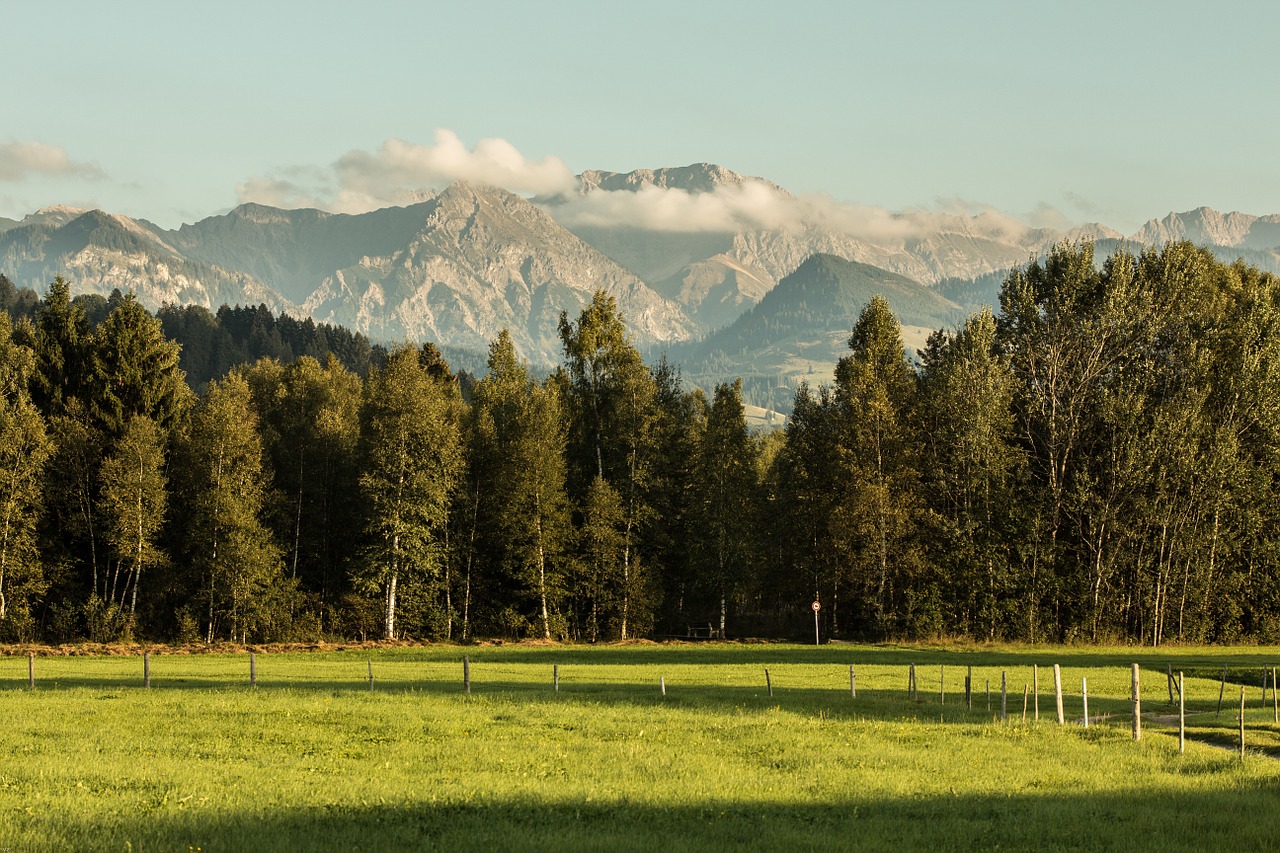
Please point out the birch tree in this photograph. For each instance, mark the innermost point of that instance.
(412, 464)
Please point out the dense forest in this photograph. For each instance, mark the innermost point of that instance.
(1099, 460)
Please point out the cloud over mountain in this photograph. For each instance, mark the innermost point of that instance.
(360, 181)
(19, 160)
(402, 172)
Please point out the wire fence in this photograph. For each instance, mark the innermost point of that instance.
(1087, 695)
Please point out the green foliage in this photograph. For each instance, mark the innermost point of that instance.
(231, 552)
(135, 371)
(24, 449)
(134, 502)
(412, 464)
(726, 485)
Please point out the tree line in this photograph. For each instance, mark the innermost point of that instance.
(1098, 460)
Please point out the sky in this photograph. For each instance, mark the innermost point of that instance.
(1054, 113)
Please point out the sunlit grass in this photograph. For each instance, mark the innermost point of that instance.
(312, 758)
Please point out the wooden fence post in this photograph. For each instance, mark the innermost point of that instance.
(911, 683)
(662, 682)
(1004, 697)
(1222, 688)
(1025, 688)
(146, 669)
(31, 670)
(1137, 704)
(555, 676)
(1057, 691)
(1035, 688)
(370, 674)
(1084, 698)
(942, 685)
(1169, 677)
(853, 684)
(1275, 702)
(253, 670)
(1182, 715)
(1242, 722)
(988, 695)
(767, 682)
(466, 674)
(968, 689)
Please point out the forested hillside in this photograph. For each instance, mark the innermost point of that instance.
(1099, 460)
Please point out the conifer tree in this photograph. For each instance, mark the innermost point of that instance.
(135, 371)
(726, 484)
(24, 448)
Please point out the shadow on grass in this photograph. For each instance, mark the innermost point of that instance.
(1239, 816)
(878, 704)
(840, 654)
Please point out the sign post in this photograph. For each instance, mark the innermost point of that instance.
(817, 605)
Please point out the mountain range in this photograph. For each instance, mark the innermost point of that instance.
(769, 289)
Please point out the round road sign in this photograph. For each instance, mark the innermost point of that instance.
(817, 605)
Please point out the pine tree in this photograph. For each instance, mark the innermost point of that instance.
(726, 486)
(24, 448)
(135, 371)
(61, 349)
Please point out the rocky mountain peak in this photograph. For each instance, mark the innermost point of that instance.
(695, 178)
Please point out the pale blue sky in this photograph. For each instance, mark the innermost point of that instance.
(1115, 111)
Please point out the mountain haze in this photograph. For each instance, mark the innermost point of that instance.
(801, 328)
(727, 272)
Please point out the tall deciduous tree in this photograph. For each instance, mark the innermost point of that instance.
(611, 402)
(525, 434)
(878, 514)
(227, 543)
(413, 461)
(135, 499)
(310, 415)
(972, 470)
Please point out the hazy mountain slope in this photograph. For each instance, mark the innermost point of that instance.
(98, 252)
(801, 327)
(1255, 239)
(482, 260)
(296, 249)
(716, 275)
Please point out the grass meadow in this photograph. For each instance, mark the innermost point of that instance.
(311, 758)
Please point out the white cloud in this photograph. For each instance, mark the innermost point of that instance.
(19, 160)
(405, 165)
(754, 204)
(397, 172)
(400, 171)
(276, 192)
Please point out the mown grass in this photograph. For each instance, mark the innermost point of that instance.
(313, 759)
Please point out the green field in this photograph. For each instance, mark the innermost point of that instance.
(312, 758)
